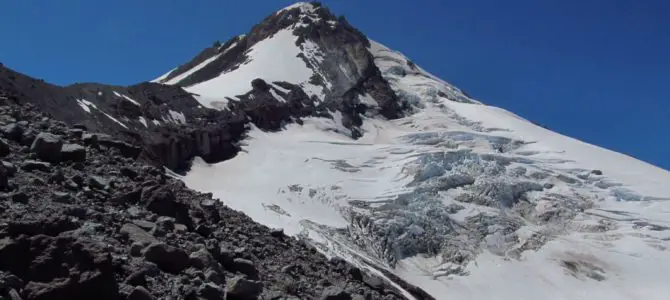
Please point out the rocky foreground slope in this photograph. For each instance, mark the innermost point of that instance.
(81, 218)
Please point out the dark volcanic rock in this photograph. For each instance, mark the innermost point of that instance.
(47, 147)
(31, 165)
(73, 152)
(166, 257)
(243, 289)
(335, 293)
(140, 293)
(4, 148)
(162, 201)
(60, 268)
(137, 235)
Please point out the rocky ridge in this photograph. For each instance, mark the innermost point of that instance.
(80, 218)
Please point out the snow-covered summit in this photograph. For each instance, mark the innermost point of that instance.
(426, 185)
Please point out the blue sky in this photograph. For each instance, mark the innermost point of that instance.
(597, 70)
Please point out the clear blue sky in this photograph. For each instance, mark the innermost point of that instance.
(597, 70)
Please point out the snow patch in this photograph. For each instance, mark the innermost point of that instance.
(127, 98)
(85, 105)
(273, 59)
(114, 119)
(162, 77)
(177, 117)
(188, 73)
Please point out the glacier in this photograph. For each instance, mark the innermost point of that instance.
(462, 199)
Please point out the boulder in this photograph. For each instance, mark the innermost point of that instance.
(136, 234)
(243, 289)
(167, 258)
(4, 148)
(48, 147)
(335, 293)
(73, 152)
(32, 165)
(140, 293)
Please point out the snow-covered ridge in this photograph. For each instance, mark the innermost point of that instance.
(410, 81)
(272, 59)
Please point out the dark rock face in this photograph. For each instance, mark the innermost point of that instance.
(109, 227)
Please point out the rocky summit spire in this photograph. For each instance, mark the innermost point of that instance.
(304, 53)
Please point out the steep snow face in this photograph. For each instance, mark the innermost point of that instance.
(458, 198)
(411, 82)
(273, 59)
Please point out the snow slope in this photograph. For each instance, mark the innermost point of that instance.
(305, 180)
(464, 200)
(273, 59)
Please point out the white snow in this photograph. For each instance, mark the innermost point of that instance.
(177, 117)
(162, 77)
(304, 7)
(115, 120)
(182, 76)
(229, 47)
(413, 83)
(156, 122)
(311, 180)
(127, 98)
(144, 122)
(273, 59)
(277, 96)
(85, 105)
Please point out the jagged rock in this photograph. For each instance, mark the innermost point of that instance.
(4, 178)
(14, 295)
(128, 172)
(203, 230)
(127, 150)
(48, 225)
(335, 293)
(62, 197)
(32, 165)
(49, 265)
(47, 147)
(246, 267)
(20, 197)
(10, 167)
(4, 148)
(136, 234)
(167, 258)
(277, 232)
(97, 182)
(8, 280)
(211, 291)
(90, 139)
(202, 260)
(214, 276)
(243, 289)
(140, 293)
(131, 197)
(162, 201)
(12, 131)
(73, 152)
